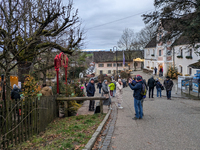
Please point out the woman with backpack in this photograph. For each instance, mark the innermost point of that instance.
(158, 87)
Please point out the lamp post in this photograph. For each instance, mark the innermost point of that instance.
(115, 51)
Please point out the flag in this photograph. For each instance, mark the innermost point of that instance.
(123, 59)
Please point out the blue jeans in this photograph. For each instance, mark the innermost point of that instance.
(138, 108)
(114, 92)
(168, 93)
(99, 90)
(159, 92)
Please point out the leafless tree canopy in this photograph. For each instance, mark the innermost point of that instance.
(30, 27)
(136, 41)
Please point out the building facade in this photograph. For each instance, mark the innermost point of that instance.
(161, 56)
(105, 62)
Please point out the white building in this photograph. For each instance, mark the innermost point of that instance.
(162, 55)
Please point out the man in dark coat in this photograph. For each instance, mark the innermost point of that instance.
(90, 93)
(15, 93)
(151, 84)
(137, 97)
(99, 85)
(168, 86)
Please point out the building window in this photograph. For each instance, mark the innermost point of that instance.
(126, 65)
(101, 71)
(181, 69)
(119, 64)
(109, 71)
(160, 52)
(148, 52)
(114, 65)
(101, 65)
(109, 65)
(190, 52)
(190, 71)
(153, 52)
(181, 52)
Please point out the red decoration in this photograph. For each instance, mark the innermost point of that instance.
(60, 60)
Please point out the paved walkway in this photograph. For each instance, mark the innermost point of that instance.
(167, 124)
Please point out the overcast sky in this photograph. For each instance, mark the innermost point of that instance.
(97, 12)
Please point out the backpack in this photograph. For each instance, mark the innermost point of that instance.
(144, 90)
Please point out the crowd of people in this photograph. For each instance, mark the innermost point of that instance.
(137, 84)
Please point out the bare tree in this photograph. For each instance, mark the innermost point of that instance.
(126, 39)
(30, 28)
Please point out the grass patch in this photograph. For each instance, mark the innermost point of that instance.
(67, 133)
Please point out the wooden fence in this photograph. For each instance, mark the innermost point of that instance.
(20, 120)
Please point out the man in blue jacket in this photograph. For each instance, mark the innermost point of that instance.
(137, 97)
(90, 93)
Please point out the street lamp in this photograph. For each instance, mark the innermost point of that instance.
(115, 51)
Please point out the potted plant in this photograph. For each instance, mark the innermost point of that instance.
(179, 56)
(188, 57)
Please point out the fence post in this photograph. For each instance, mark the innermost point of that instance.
(101, 106)
(66, 108)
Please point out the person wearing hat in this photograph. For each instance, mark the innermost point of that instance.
(158, 87)
(137, 97)
(168, 86)
(90, 93)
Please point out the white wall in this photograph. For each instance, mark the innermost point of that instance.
(183, 61)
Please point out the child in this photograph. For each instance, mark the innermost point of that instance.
(112, 87)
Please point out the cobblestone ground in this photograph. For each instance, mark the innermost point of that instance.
(167, 124)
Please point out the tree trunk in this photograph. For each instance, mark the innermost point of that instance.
(23, 70)
(8, 87)
(44, 77)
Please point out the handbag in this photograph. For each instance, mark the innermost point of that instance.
(162, 87)
(106, 95)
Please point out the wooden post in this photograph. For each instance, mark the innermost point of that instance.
(66, 108)
(101, 106)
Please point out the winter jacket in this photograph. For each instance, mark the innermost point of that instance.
(90, 89)
(46, 91)
(105, 91)
(105, 88)
(151, 82)
(15, 93)
(137, 90)
(158, 85)
(168, 85)
(119, 92)
(112, 86)
(134, 82)
(99, 85)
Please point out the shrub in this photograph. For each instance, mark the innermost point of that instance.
(172, 72)
(188, 57)
(31, 87)
(152, 67)
(180, 56)
(101, 77)
(123, 74)
(107, 78)
(187, 75)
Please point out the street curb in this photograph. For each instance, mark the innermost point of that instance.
(92, 141)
